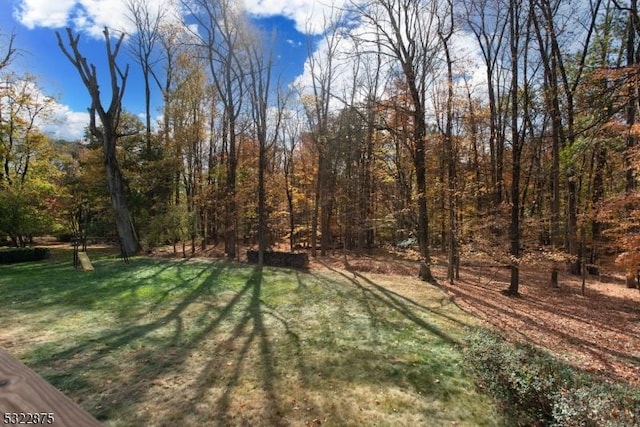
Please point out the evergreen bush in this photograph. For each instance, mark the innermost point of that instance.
(535, 388)
(10, 256)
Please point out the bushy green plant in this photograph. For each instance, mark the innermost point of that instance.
(171, 227)
(9, 256)
(534, 388)
(598, 405)
(523, 379)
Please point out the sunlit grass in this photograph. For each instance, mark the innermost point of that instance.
(177, 342)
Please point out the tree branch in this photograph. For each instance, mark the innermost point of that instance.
(11, 51)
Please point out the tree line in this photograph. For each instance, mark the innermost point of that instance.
(524, 146)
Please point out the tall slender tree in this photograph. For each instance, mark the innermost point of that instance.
(322, 68)
(142, 45)
(260, 60)
(445, 33)
(408, 32)
(220, 33)
(515, 9)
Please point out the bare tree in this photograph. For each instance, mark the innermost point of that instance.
(487, 20)
(359, 123)
(109, 118)
(170, 41)
(6, 57)
(561, 84)
(322, 68)
(407, 30)
(9, 52)
(219, 34)
(445, 32)
(143, 45)
(260, 61)
(515, 34)
(290, 134)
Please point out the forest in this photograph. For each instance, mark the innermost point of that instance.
(508, 128)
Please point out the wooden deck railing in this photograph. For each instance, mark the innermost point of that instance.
(27, 399)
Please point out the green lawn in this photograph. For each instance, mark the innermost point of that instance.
(177, 342)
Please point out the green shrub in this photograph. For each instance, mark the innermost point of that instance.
(534, 388)
(523, 379)
(9, 256)
(598, 405)
(64, 237)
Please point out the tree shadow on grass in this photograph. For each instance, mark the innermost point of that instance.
(420, 363)
(89, 352)
(396, 302)
(59, 285)
(164, 355)
(254, 335)
(243, 340)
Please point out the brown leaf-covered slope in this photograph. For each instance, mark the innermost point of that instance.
(598, 332)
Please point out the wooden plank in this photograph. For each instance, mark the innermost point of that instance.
(24, 391)
(84, 260)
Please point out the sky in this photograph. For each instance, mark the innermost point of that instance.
(297, 25)
(34, 22)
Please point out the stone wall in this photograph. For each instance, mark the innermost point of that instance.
(280, 259)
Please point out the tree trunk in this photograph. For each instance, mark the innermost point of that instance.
(109, 133)
(230, 214)
(421, 185)
(631, 278)
(596, 197)
(451, 165)
(124, 225)
(316, 208)
(288, 171)
(262, 209)
(572, 225)
(514, 229)
(632, 94)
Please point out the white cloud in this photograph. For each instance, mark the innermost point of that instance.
(90, 16)
(339, 64)
(50, 116)
(293, 43)
(44, 13)
(65, 123)
(93, 15)
(309, 16)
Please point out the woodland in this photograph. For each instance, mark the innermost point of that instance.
(398, 139)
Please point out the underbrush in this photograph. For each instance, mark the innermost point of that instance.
(14, 255)
(535, 389)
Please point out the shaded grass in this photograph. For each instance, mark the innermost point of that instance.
(177, 342)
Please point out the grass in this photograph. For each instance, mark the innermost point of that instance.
(177, 342)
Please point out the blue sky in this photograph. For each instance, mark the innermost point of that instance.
(35, 22)
(298, 25)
